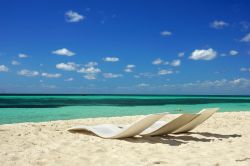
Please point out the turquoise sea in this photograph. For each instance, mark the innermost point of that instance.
(37, 108)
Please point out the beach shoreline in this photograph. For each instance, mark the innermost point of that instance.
(224, 139)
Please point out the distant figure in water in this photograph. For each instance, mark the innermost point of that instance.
(179, 110)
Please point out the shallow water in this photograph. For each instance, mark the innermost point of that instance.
(37, 108)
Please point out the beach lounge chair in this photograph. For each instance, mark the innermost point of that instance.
(163, 128)
(183, 123)
(204, 115)
(114, 131)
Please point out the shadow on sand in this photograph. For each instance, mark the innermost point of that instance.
(173, 139)
(178, 139)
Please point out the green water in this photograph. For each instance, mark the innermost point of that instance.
(16, 109)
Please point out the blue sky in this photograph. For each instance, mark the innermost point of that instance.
(154, 47)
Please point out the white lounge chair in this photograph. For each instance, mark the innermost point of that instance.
(163, 128)
(204, 115)
(113, 131)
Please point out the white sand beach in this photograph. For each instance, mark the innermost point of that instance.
(224, 139)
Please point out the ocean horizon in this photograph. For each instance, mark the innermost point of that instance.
(18, 108)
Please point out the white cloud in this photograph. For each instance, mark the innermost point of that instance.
(91, 64)
(143, 85)
(218, 24)
(208, 54)
(89, 70)
(72, 16)
(63, 52)
(220, 83)
(175, 63)
(49, 86)
(69, 79)
(90, 77)
(233, 52)
(15, 63)
(70, 66)
(129, 68)
(240, 82)
(23, 56)
(3, 68)
(48, 75)
(157, 61)
(146, 75)
(28, 73)
(181, 54)
(246, 38)
(111, 59)
(111, 75)
(166, 33)
(165, 72)
(244, 69)
(213, 86)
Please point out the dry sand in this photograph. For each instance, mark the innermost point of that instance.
(224, 139)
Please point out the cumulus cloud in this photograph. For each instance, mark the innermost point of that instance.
(90, 76)
(91, 64)
(111, 59)
(157, 61)
(238, 82)
(111, 75)
(69, 79)
(28, 73)
(181, 54)
(233, 52)
(208, 54)
(165, 72)
(218, 24)
(3, 68)
(146, 75)
(221, 86)
(70, 66)
(244, 69)
(49, 86)
(23, 55)
(175, 63)
(72, 16)
(129, 68)
(63, 52)
(15, 63)
(241, 82)
(89, 70)
(166, 33)
(246, 38)
(49, 75)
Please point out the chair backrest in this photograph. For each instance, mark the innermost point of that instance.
(171, 126)
(140, 125)
(204, 115)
